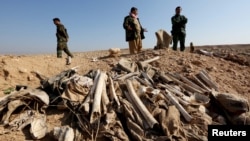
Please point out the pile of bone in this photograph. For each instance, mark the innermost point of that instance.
(134, 101)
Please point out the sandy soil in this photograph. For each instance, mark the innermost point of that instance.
(231, 77)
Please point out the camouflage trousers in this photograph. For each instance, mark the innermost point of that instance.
(62, 46)
(179, 37)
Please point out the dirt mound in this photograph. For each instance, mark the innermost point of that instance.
(232, 76)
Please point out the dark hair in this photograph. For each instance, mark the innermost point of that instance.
(133, 9)
(178, 7)
(56, 19)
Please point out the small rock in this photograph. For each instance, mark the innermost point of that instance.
(190, 66)
(22, 70)
(6, 73)
(211, 68)
(181, 62)
(30, 78)
(196, 62)
(220, 119)
(156, 53)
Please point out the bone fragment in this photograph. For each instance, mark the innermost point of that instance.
(191, 83)
(38, 127)
(126, 76)
(104, 99)
(64, 133)
(207, 81)
(12, 106)
(185, 86)
(86, 104)
(151, 121)
(96, 106)
(200, 83)
(146, 83)
(165, 78)
(142, 64)
(112, 92)
(184, 113)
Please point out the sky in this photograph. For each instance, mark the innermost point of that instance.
(26, 26)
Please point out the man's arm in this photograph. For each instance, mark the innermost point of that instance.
(63, 31)
(174, 21)
(184, 20)
(126, 23)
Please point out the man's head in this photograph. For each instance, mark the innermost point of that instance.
(134, 10)
(178, 10)
(56, 21)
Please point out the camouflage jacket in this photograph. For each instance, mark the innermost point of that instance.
(131, 34)
(61, 33)
(178, 24)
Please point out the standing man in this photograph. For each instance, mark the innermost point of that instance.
(134, 31)
(62, 39)
(178, 29)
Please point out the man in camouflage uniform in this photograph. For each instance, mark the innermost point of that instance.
(134, 31)
(178, 29)
(62, 39)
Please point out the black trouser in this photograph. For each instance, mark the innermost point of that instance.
(179, 37)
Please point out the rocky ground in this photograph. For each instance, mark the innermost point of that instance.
(231, 76)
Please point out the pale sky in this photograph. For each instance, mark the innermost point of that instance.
(26, 26)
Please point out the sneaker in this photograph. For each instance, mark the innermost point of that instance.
(68, 60)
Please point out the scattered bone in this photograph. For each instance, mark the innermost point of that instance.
(204, 77)
(163, 39)
(126, 76)
(184, 113)
(165, 78)
(144, 82)
(96, 107)
(114, 52)
(142, 101)
(204, 52)
(150, 90)
(185, 80)
(176, 92)
(104, 100)
(12, 106)
(85, 106)
(200, 83)
(200, 98)
(146, 76)
(23, 119)
(112, 92)
(127, 65)
(38, 127)
(225, 55)
(144, 64)
(113, 129)
(64, 133)
(94, 59)
(151, 121)
(184, 85)
(173, 127)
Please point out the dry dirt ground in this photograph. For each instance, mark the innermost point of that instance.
(231, 76)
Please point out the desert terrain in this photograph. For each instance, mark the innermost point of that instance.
(231, 76)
